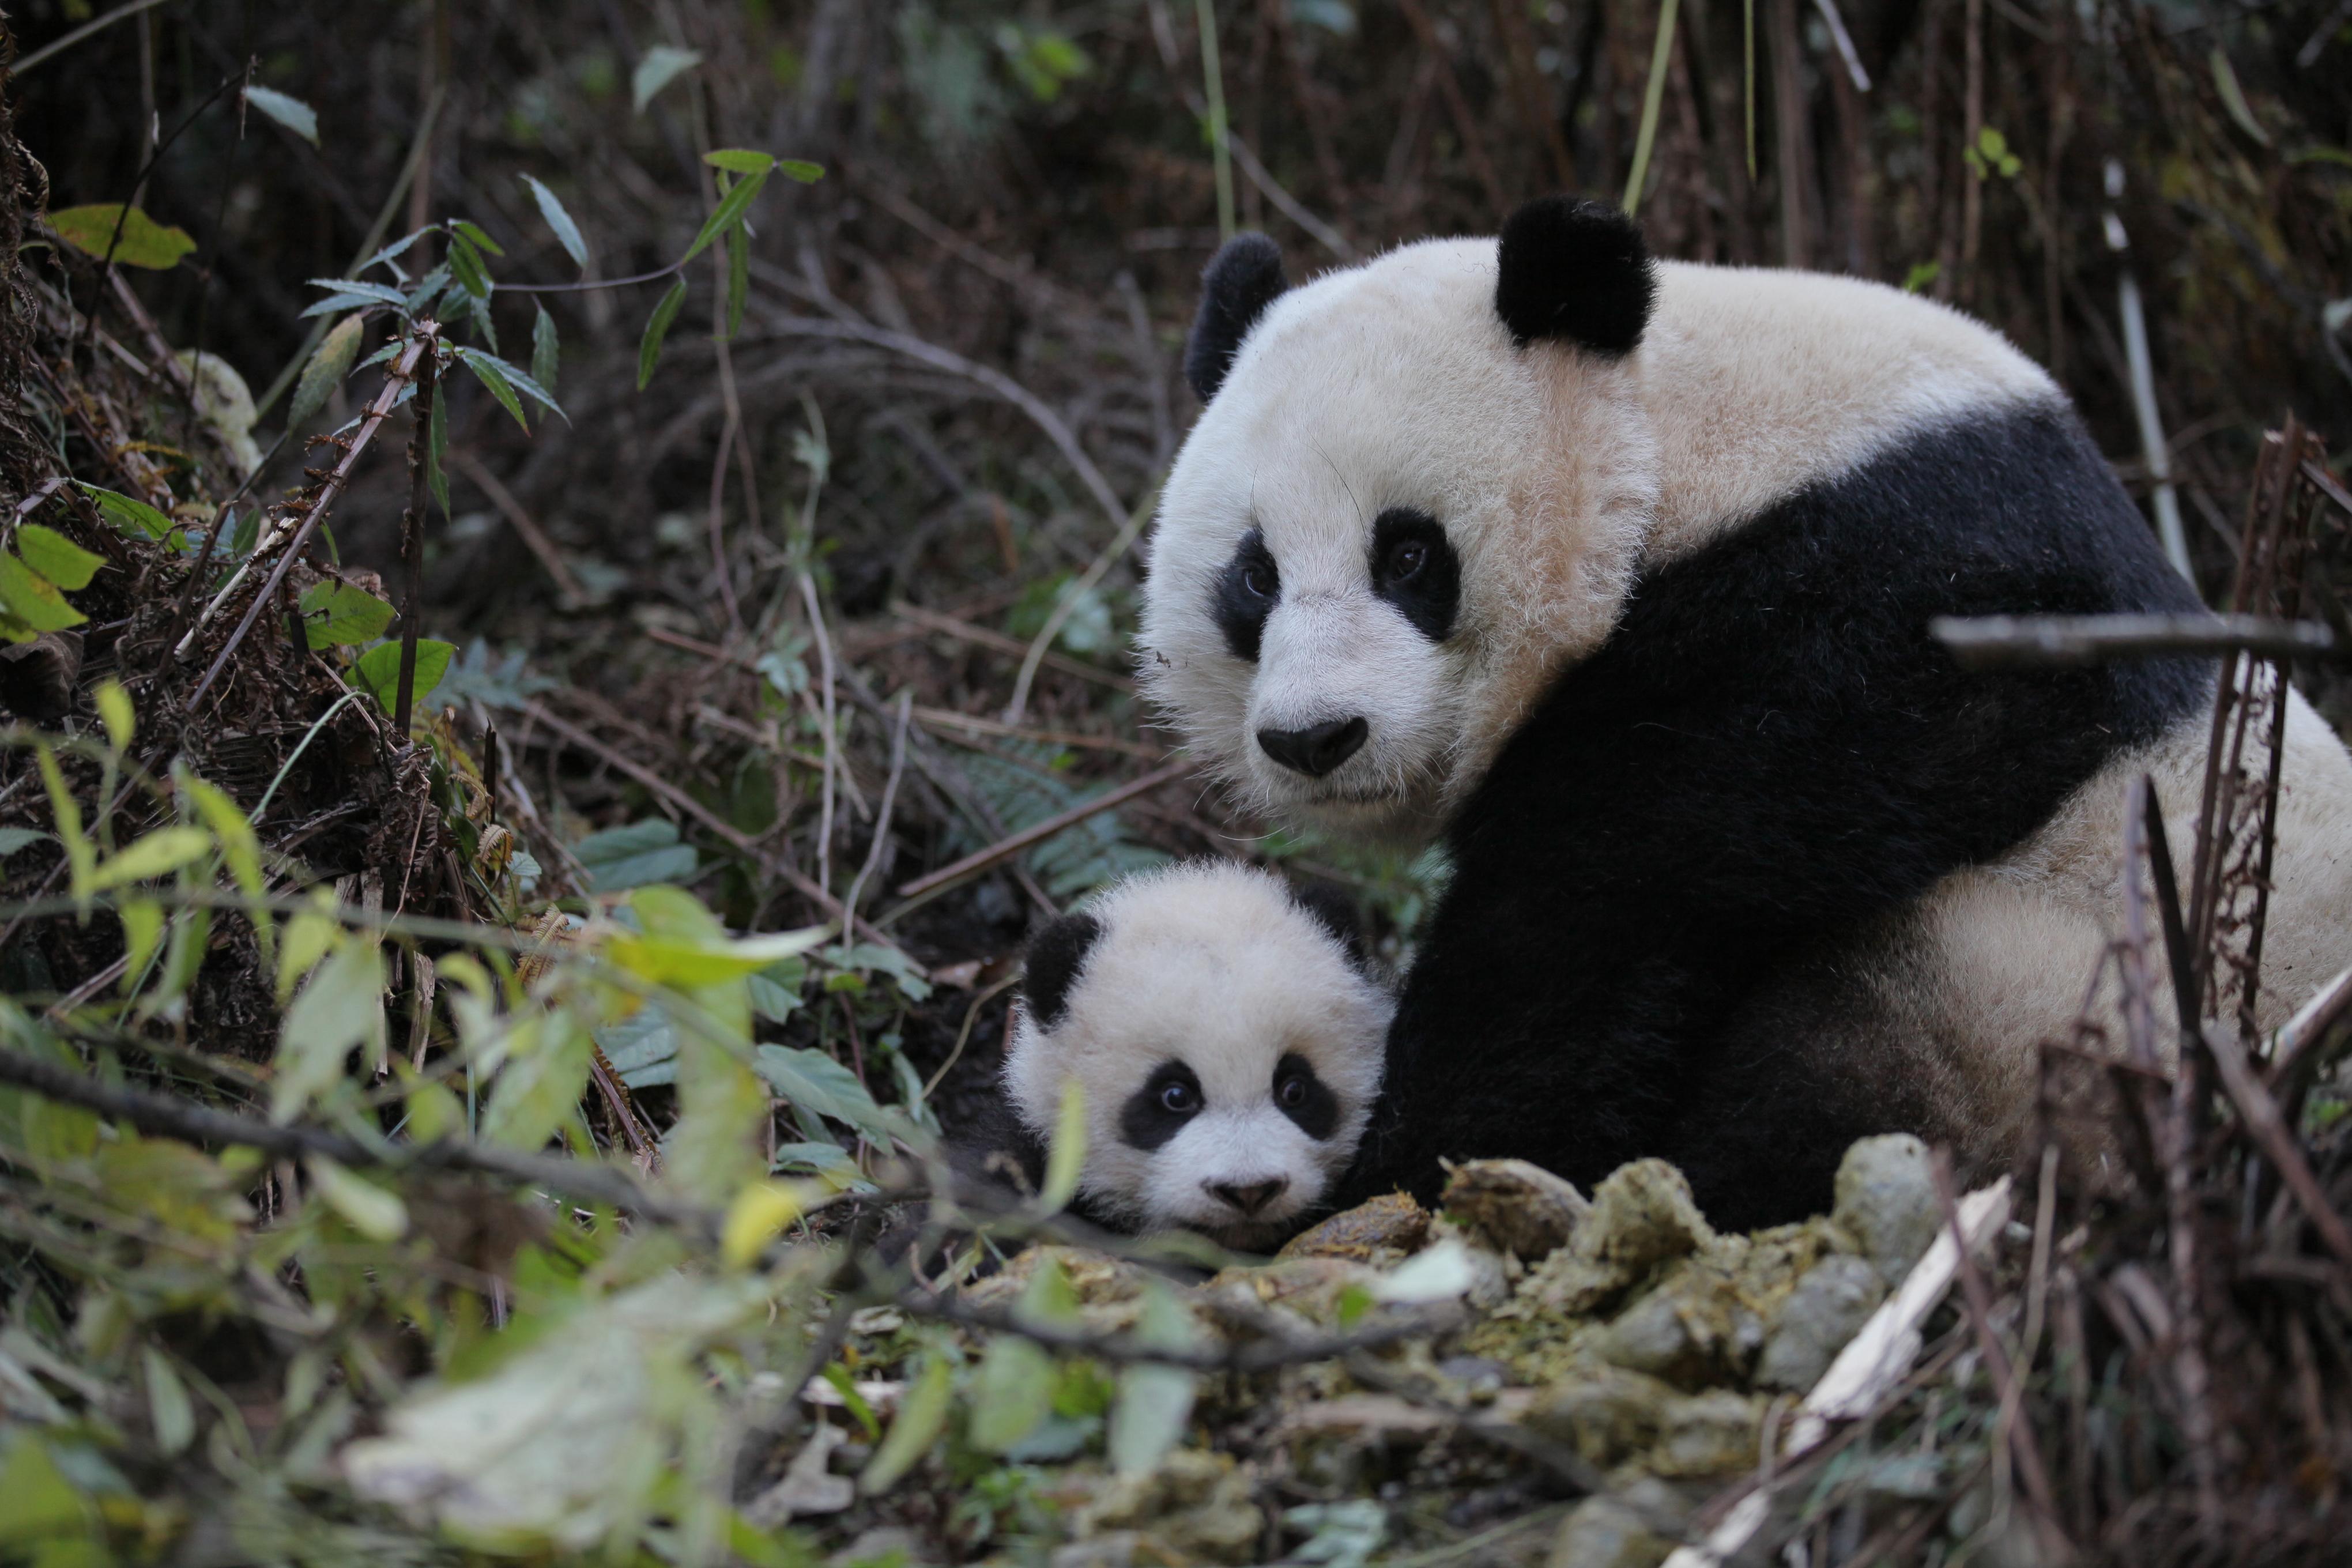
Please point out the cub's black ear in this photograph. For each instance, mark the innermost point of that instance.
(1241, 280)
(1574, 269)
(1336, 912)
(1056, 955)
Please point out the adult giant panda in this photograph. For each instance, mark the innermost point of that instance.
(1618, 574)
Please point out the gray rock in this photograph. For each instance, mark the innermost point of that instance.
(1886, 1201)
(1602, 1532)
(1829, 1304)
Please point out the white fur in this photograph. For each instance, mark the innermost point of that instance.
(1211, 964)
(1556, 474)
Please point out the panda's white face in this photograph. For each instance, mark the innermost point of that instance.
(1387, 532)
(1228, 1048)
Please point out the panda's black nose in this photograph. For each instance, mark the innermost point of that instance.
(1250, 1198)
(1317, 751)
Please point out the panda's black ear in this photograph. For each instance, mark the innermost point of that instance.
(1241, 280)
(1576, 270)
(1337, 913)
(1056, 955)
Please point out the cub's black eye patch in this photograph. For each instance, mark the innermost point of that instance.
(1304, 1098)
(1414, 568)
(1153, 1114)
(1245, 595)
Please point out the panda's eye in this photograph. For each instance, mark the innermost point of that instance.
(1179, 1098)
(1407, 560)
(1290, 1093)
(1258, 578)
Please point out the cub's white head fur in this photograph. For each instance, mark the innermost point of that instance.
(1421, 486)
(1227, 1041)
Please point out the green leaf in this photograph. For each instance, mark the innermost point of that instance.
(341, 1006)
(390, 253)
(58, 558)
(371, 1210)
(660, 65)
(656, 328)
(466, 267)
(514, 376)
(807, 174)
(132, 517)
(15, 838)
(143, 241)
(644, 852)
(437, 449)
(567, 233)
(34, 599)
(340, 615)
(1154, 1400)
(142, 930)
(479, 235)
(159, 854)
(375, 293)
(1069, 1156)
(729, 211)
(816, 1082)
(545, 354)
(922, 1416)
(538, 1088)
(741, 160)
(328, 366)
(378, 670)
(739, 278)
(486, 371)
(173, 1413)
(290, 111)
(1014, 1392)
(2233, 98)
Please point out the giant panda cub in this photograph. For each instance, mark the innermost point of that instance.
(1227, 1034)
(1618, 577)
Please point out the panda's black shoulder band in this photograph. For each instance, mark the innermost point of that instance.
(1574, 270)
(1241, 280)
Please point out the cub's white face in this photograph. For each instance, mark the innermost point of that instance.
(1388, 531)
(1227, 1047)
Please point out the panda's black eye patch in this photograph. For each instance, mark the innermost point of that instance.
(1153, 1114)
(1245, 595)
(1305, 1099)
(1414, 568)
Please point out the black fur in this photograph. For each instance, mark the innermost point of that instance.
(1057, 954)
(1414, 568)
(1337, 913)
(1576, 270)
(1663, 887)
(1240, 281)
(1245, 595)
(1147, 1121)
(1316, 1113)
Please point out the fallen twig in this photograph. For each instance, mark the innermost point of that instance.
(980, 860)
(2002, 641)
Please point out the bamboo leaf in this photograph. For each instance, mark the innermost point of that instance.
(287, 110)
(489, 370)
(656, 328)
(115, 711)
(806, 172)
(1069, 1156)
(661, 66)
(132, 517)
(328, 366)
(159, 854)
(741, 160)
(546, 356)
(739, 278)
(730, 210)
(478, 236)
(922, 1416)
(567, 233)
(374, 1213)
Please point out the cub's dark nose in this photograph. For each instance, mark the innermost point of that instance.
(1317, 751)
(1250, 1199)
